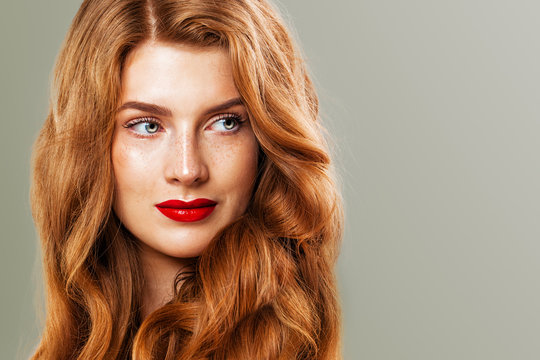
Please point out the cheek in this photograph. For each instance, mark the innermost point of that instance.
(235, 165)
(132, 168)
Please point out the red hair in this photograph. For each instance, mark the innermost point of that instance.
(265, 287)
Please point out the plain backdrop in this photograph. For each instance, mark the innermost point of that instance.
(433, 107)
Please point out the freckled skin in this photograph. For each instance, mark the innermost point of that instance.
(187, 158)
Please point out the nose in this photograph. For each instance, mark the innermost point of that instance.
(186, 163)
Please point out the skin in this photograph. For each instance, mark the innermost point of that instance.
(187, 152)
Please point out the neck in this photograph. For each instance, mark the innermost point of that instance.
(159, 275)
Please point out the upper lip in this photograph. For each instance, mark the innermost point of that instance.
(179, 204)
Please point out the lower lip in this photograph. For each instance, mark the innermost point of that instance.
(187, 215)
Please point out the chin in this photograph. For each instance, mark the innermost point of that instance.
(184, 248)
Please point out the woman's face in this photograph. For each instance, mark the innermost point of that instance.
(183, 152)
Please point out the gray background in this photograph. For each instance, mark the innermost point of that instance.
(433, 107)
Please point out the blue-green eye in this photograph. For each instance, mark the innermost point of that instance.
(227, 123)
(144, 126)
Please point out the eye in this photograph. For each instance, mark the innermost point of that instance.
(226, 123)
(144, 126)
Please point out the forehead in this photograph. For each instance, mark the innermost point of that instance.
(177, 75)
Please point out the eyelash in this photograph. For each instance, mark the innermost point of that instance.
(229, 116)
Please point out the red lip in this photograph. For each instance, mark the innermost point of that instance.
(187, 211)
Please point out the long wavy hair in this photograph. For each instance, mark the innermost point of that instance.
(265, 287)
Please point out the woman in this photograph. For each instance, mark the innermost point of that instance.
(183, 190)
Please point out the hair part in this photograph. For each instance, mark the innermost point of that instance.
(265, 287)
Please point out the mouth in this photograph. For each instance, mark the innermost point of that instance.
(187, 211)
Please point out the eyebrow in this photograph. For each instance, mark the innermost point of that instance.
(164, 111)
